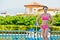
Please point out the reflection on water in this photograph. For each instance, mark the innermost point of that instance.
(24, 37)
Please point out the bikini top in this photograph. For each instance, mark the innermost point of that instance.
(45, 17)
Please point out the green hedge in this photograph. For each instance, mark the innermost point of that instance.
(27, 21)
(22, 27)
(17, 20)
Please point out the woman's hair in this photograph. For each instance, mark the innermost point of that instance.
(45, 7)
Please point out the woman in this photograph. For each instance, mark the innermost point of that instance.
(45, 26)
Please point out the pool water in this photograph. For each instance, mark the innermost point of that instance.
(24, 37)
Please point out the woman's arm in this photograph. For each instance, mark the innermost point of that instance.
(51, 18)
(37, 19)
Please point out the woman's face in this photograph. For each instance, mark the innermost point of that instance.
(45, 10)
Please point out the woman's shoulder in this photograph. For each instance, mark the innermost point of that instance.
(48, 14)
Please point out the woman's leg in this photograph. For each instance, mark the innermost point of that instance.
(42, 32)
(46, 34)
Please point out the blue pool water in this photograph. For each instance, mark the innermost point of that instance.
(24, 37)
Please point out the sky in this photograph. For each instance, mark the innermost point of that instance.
(14, 6)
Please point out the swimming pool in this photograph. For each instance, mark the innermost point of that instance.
(25, 37)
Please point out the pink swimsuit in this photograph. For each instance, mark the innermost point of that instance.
(46, 17)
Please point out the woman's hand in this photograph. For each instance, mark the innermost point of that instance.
(38, 25)
(50, 26)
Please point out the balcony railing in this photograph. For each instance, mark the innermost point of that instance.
(27, 35)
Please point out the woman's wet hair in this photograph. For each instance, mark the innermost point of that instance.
(45, 7)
